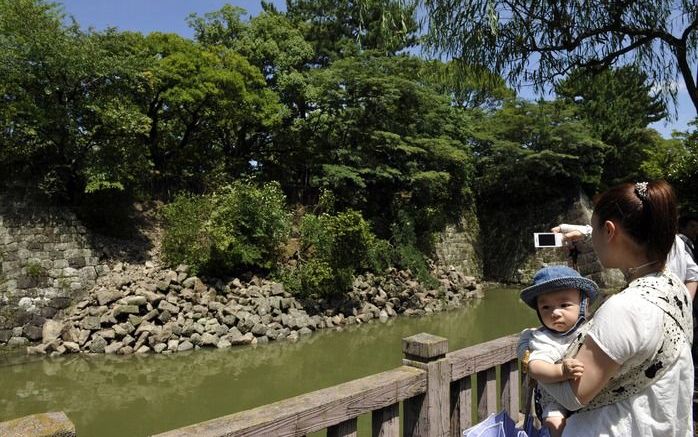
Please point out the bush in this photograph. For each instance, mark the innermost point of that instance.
(241, 227)
(334, 247)
(406, 253)
(185, 240)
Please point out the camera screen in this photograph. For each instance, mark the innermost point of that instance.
(546, 239)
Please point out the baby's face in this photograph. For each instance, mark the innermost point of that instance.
(559, 309)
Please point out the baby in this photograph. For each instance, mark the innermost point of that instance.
(560, 296)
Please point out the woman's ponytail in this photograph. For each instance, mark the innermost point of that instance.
(646, 211)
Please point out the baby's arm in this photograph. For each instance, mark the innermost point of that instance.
(548, 373)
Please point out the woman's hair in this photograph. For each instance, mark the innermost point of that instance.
(646, 211)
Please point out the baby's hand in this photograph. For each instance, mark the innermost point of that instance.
(571, 368)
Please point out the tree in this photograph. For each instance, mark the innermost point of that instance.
(468, 86)
(67, 123)
(553, 37)
(343, 28)
(618, 104)
(383, 141)
(683, 170)
(268, 41)
(532, 161)
(209, 112)
(529, 152)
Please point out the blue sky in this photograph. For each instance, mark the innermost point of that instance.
(170, 16)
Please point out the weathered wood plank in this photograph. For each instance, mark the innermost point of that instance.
(509, 393)
(386, 421)
(461, 406)
(481, 357)
(486, 393)
(413, 409)
(344, 429)
(424, 346)
(317, 410)
(428, 415)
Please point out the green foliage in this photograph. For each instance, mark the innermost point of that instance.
(683, 171)
(185, 239)
(240, 227)
(468, 85)
(343, 28)
(532, 152)
(382, 140)
(334, 248)
(208, 108)
(67, 123)
(505, 35)
(617, 105)
(34, 270)
(407, 254)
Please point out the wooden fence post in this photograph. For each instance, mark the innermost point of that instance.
(428, 415)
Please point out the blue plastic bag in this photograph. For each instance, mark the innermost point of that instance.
(501, 425)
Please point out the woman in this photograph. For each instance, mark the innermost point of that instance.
(638, 372)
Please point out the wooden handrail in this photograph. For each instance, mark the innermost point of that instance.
(434, 386)
(483, 356)
(315, 411)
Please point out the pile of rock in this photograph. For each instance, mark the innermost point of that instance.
(140, 309)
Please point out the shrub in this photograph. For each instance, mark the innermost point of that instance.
(334, 247)
(241, 227)
(406, 253)
(35, 270)
(185, 240)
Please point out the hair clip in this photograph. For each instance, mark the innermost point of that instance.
(641, 190)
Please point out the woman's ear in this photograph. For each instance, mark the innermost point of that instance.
(610, 229)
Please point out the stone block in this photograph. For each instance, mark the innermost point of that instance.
(60, 302)
(91, 322)
(32, 332)
(54, 424)
(5, 335)
(77, 262)
(60, 264)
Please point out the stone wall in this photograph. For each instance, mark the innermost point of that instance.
(508, 252)
(459, 246)
(46, 261)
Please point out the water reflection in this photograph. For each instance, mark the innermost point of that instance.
(142, 395)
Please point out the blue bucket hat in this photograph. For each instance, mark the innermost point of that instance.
(553, 278)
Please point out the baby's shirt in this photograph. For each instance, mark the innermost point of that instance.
(548, 347)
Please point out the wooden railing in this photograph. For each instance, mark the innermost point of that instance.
(433, 385)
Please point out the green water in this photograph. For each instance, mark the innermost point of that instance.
(142, 395)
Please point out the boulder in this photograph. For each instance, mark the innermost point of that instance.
(165, 305)
(223, 344)
(185, 346)
(33, 332)
(54, 424)
(105, 296)
(38, 349)
(134, 300)
(125, 309)
(18, 341)
(113, 347)
(209, 339)
(98, 344)
(91, 323)
(71, 347)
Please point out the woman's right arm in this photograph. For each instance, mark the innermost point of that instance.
(599, 368)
